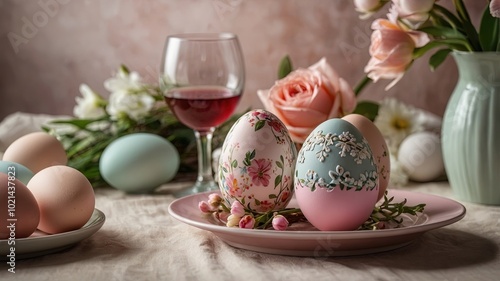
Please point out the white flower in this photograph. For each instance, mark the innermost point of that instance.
(134, 105)
(396, 121)
(124, 81)
(399, 177)
(91, 105)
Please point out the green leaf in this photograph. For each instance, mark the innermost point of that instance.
(489, 31)
(438, 58)
(279, 164)
(272, 196)
(467, 25)
(80, 123)
(368, 109)
(277, 180)
(260, 124)
(443, 32)
(234, 164)
(285, 67)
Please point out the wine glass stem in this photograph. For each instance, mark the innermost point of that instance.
(205, 180)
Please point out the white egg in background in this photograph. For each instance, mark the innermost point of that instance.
(421, 156)
(257, 162)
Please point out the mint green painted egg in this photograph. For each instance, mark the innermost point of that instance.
(139, 163)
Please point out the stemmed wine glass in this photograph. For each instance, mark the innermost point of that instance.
(202, 77)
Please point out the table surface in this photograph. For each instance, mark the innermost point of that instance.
(140, 240)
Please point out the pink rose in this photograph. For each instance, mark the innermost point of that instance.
(307, 97)
(392, 50)
(495, 8)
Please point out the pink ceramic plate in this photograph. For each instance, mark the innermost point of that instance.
(304, 240)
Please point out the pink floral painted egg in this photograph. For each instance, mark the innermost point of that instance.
(257, 163)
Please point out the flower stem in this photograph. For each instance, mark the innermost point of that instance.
(361, 85)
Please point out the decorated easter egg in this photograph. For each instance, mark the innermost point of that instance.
(336, 179)
(257, 162)
(139, 163)
(378, 147)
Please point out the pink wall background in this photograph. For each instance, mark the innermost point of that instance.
(67, 42)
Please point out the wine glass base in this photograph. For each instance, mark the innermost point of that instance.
(197, 188)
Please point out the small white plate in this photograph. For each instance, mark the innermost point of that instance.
(40, 243)
(304, 240)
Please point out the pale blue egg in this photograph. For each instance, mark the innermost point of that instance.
(16, 170)
(139, 163)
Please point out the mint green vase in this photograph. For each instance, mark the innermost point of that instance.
(471, 129)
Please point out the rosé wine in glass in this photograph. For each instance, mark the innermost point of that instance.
(202, 77)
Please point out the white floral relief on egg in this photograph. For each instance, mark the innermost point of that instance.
(340, 177)
(345, 141)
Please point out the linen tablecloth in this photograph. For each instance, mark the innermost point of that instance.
(141, 241)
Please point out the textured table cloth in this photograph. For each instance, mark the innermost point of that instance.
(141, 241)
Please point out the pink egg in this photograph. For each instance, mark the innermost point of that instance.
(378, 146)
(36, 151)
(19, 215)
(65, 198)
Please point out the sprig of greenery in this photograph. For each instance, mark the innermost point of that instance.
(388, 213)
(384, 215)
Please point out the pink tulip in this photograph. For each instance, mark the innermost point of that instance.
(392, 50)
(247, 222)
(366, 6)
(280, 222)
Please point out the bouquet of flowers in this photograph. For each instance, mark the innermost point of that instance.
(414, 27)
(133, 106)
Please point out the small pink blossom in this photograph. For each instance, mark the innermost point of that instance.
(205, 207)
(259, 171)
(247, 222)
(280, 222)
(237, 209)
(214, 199)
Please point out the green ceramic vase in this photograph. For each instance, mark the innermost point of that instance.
(471, 129)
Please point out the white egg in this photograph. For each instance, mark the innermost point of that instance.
(257, 162)
(421, 156)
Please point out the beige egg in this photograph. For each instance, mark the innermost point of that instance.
(19, 214)
(36, 151)
(378, 146)
(65, 198)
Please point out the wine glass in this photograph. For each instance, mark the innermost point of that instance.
(202, 77)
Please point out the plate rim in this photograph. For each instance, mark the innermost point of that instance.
(64, 239)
